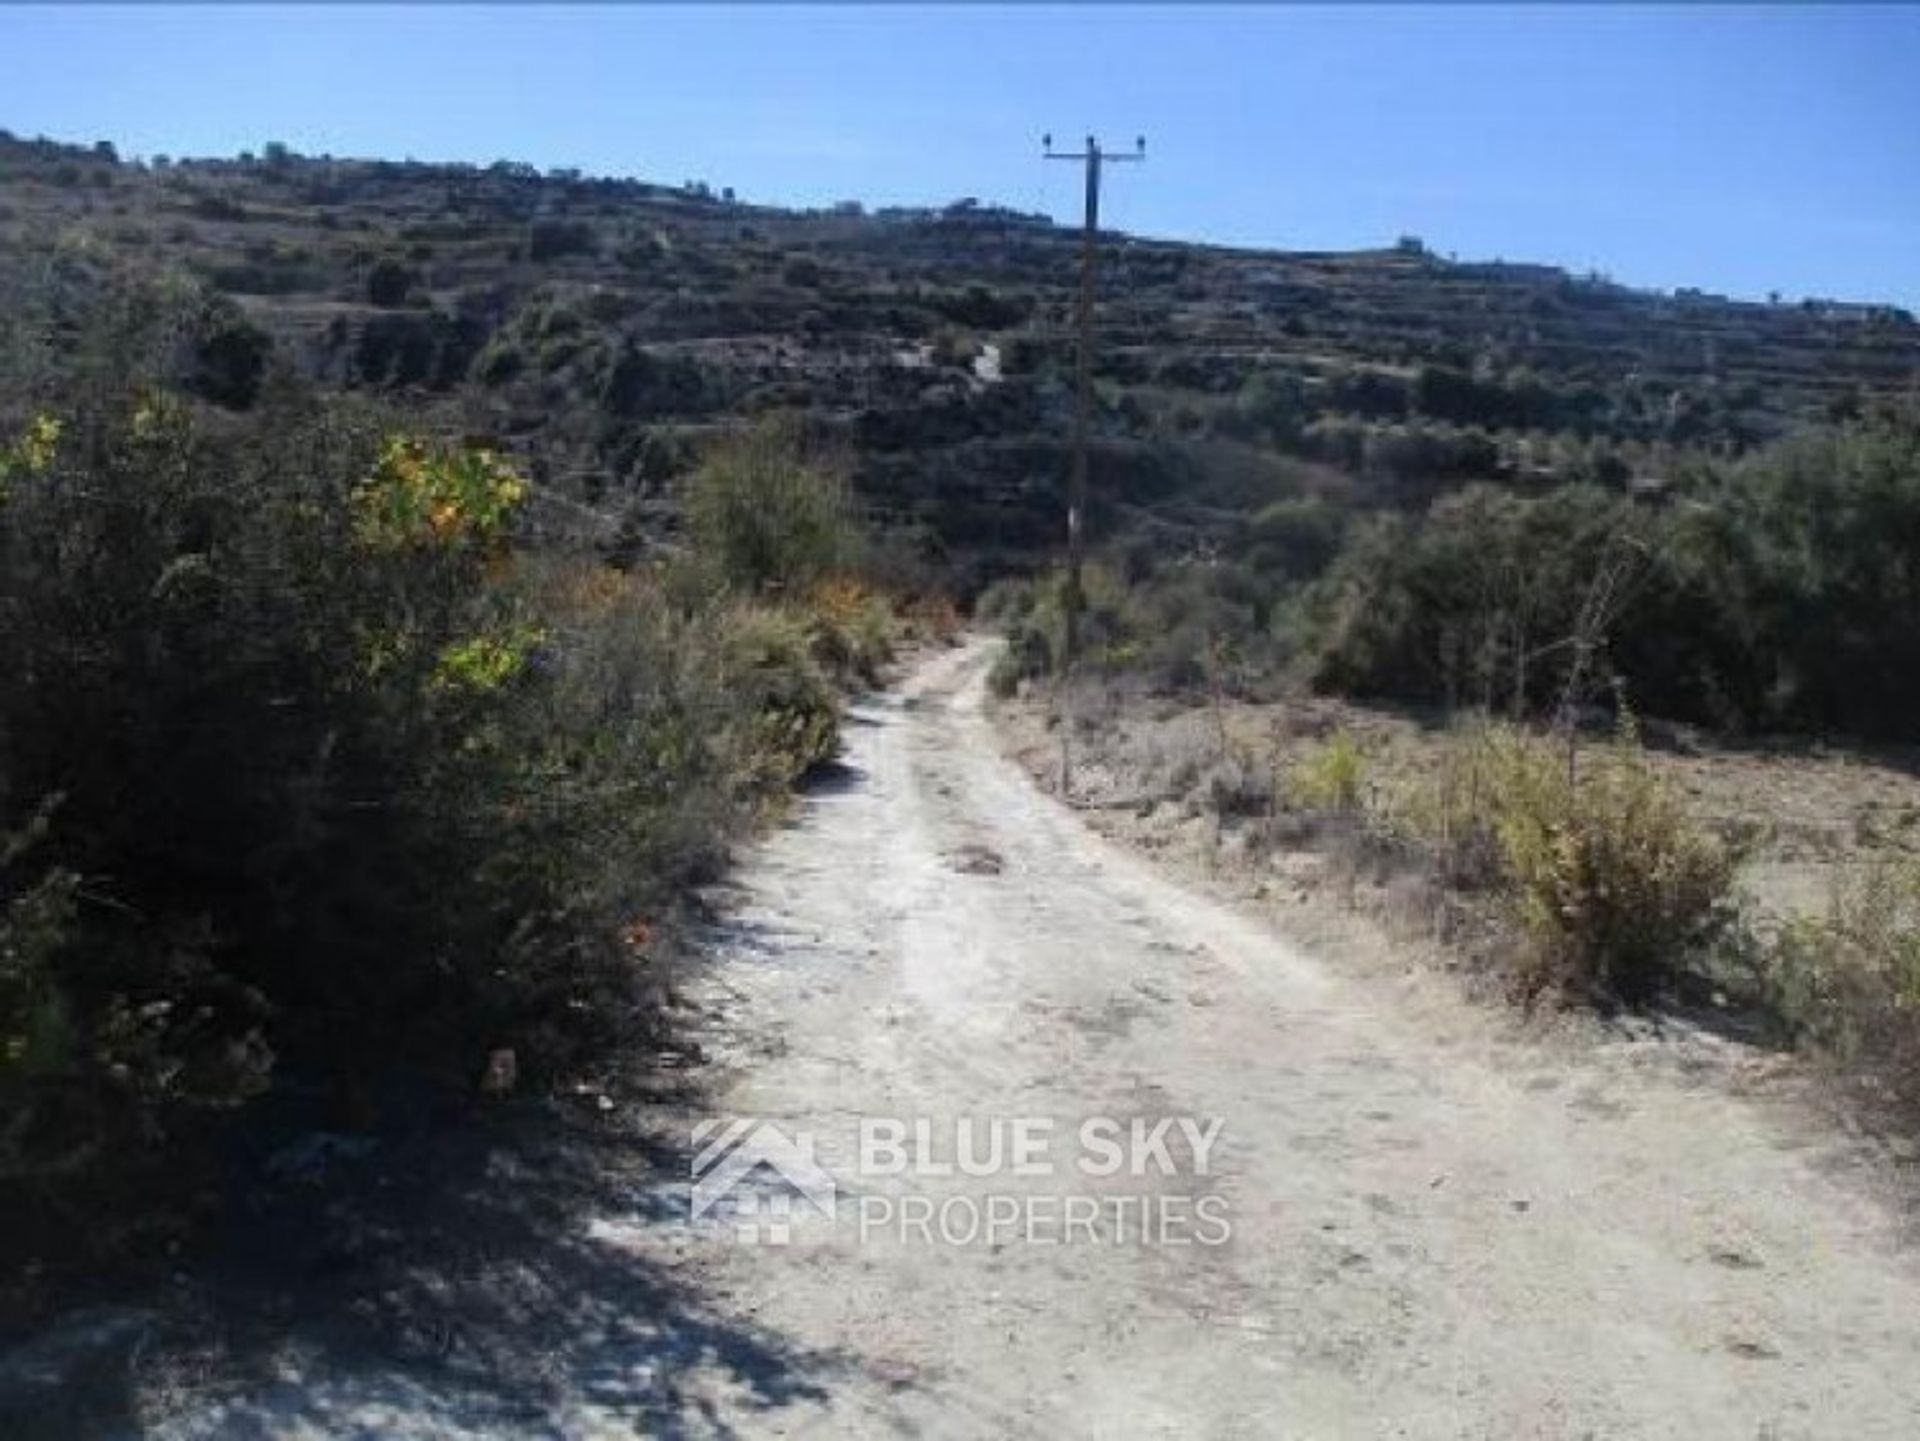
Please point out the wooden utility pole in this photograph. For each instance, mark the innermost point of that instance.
(1093, 157)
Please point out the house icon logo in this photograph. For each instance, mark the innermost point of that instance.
(755, 1171)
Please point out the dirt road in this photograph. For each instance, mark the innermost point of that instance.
(1435, 1230)
(1430, 1237)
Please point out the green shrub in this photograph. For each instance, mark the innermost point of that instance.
(767, 517)
(1033, 617)
(1004, 600)
(390, 282)
(790, 713)
(1780, 594)
(36, 917)
(1466, 604)
(1271, 405)
(304, 770)
(498, 362)
(1298, 537)
(1189, 627)
(226, 644)
(1820, 535)
(1028, 655)
(1329, 778)
(229, 356)
(553, 239)
(641, 385)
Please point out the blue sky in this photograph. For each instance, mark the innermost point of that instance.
(1737, 149)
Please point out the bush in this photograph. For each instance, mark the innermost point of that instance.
(640, 385)
(1330, 777)
(401, 348)
(1183, 628)
(1005, 600)
(1607, 874)
(1449, 813)
(1272, 406)
(36, 918)
(1848, 983)
(1027, 656)
(1779, 595)
(1475, 602)
(499, 361)
(1825, 530)
(191, 695)
(224, 647)
(1239, 787)
(553, 239)
(1032, 615)
(769, 518)
(229, 357)
(792, 713)
(1296, 538)
(390, 282)
(304, 771)
(850, 630)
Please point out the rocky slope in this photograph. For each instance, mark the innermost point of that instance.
(602, 325)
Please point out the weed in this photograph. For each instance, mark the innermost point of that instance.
(1329, 778)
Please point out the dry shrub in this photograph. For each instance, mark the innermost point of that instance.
(933, 617)
(851, 629)
(1240, 786)
(1607, 877)
(1446, 815)
(1848, 983)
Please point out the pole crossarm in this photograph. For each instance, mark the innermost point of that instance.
(1094, 150)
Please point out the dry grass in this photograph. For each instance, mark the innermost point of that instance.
(1806, 818)
(1817, 850)
(1847, 982)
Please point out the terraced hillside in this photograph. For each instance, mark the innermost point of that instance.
(602, 326)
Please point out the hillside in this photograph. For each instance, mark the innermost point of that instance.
(601, 327)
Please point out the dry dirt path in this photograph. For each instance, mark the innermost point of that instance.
(1432, 1235)
(1428, 1240)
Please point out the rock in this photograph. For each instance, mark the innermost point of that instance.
(976, 860)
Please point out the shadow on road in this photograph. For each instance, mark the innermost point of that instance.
(466, 1282)
(832, 778)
